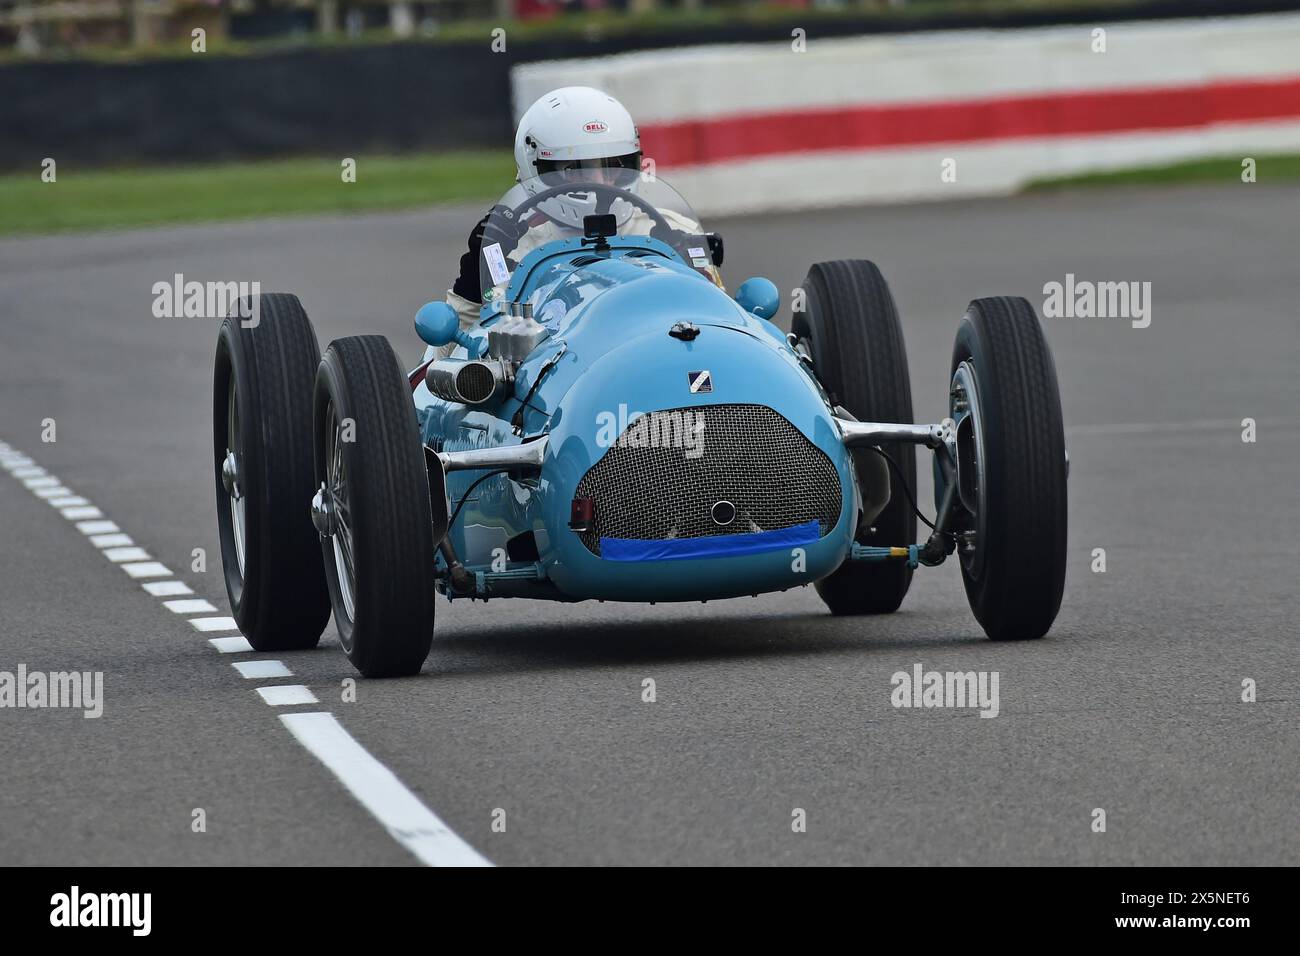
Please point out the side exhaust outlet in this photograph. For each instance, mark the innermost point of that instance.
(468, 381)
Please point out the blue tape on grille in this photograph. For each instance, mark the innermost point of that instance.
(715, 546)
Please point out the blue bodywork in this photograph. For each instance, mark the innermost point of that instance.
(609, 310)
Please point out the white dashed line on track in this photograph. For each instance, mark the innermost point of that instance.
(81, 511)
(406, 818)
(166, 588)
(285, 695)
(261, 670)
(231, 645)
(97, 527)
(146, 569)
(190, 606)
(121, 555)
(58, 491)
(214, 623)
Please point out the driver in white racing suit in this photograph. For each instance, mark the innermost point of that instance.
(574, 132)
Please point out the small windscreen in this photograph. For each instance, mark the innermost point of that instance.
(556, 205)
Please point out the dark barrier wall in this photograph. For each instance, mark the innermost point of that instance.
(341, 101)
(351, 100)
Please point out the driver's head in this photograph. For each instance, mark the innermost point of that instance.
(577, 134)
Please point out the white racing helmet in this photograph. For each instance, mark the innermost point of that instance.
(579, 133)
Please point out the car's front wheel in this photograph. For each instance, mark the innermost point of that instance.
(262, 459)
(852, 327)
(1012, 469)
(371, 508)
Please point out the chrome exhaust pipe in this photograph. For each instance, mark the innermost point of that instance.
(527, 457)
(468, 381)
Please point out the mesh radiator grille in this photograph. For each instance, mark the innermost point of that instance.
(649, 487)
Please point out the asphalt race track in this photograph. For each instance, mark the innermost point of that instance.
(1133, 704)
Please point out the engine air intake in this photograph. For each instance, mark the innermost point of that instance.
(657, 483)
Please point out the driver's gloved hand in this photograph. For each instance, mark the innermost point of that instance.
(514, 229)
(665, 234)
(467, 282)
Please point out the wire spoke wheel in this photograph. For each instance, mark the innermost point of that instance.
(234, 456)
(972, 487)
(1011, 469)
(371, 508)
(263, 379)
(851, 327)
(341, 538)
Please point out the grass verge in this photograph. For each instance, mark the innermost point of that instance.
(125, 198)
(1228, 169)
(129, 198)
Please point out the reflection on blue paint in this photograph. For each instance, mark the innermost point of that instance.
(717, 546)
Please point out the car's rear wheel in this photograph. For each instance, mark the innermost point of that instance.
(262, 458)
(372, 508)
(853, 332)
(1012, 469)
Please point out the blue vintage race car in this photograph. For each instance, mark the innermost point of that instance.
(617, 426)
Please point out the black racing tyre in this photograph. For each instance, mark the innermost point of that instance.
(262, 455)
(1015, 572)
(379, 549)
(856, 340)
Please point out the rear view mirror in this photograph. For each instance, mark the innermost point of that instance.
(759, 296)
(715, 247)
(437, 323)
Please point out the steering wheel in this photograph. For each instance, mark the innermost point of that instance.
(605, 197)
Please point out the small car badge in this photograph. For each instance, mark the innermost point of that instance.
(700, 381)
